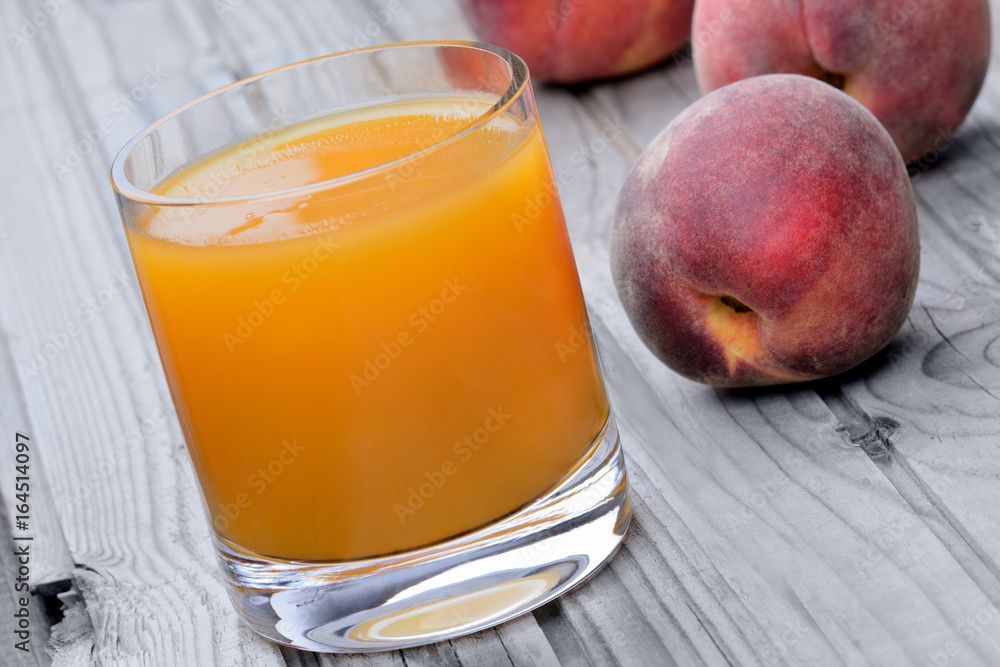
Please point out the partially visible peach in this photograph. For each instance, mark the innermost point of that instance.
(578, 40)
(918, 65)
(767, 235)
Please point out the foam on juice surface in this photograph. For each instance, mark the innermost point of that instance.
(337, 146)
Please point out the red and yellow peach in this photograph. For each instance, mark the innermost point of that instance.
(917, 65)
(578, 40)
(767, 235)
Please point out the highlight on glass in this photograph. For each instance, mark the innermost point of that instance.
(361, 287)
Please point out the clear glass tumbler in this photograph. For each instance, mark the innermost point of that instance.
(358, 275)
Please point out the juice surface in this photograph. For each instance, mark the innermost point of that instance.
(386, 364)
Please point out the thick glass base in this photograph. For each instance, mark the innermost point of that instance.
(447, 589)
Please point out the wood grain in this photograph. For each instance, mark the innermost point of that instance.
(116, 469)
(852, 521)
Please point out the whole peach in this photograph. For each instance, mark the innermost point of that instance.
(577, 40)
(767, 235)
(918, 65)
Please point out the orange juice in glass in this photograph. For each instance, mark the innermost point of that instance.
(360, 283)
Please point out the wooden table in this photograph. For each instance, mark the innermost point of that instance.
(853, 521)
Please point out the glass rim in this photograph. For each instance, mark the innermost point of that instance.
(126, 189)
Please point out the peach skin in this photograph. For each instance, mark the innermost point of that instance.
(917, 65)
(569, 41)
(767, 235)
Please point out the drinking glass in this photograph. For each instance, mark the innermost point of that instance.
(361, 287)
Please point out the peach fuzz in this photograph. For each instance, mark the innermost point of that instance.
(569, 41)
(767, 235)
(917, 65)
